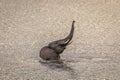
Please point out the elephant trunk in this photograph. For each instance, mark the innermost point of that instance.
(70, 36)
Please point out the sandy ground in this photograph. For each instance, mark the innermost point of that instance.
(28, 25)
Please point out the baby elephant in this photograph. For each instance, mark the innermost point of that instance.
(55, 48)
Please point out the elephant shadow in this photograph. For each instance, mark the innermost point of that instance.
(57, 65)
(61, 66)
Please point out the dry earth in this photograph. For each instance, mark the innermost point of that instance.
(28, 25)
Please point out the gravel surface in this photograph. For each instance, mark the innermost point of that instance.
(28, 25)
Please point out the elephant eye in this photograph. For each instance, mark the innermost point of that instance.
(62, 45)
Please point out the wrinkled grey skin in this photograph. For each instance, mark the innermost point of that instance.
(55, 48)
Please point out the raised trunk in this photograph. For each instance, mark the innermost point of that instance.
(70, 36)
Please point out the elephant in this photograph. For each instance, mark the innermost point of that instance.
(53, 50)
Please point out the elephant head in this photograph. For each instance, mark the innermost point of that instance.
(61, 44)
